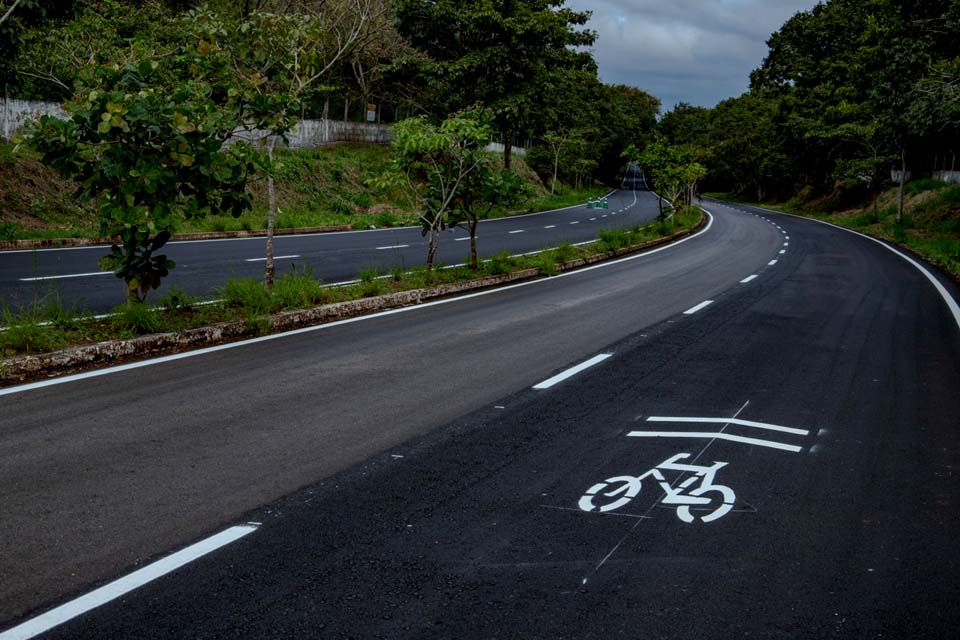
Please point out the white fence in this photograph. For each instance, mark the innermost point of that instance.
(308, 134)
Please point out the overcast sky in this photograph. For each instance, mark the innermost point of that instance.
(696, 51)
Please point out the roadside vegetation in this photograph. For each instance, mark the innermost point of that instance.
(47, 325)
(929, 226)
(329, 187)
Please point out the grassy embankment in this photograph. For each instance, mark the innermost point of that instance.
(326, 187)
(930, 226)
(46, 325)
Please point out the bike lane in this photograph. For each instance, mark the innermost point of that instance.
(479, 530)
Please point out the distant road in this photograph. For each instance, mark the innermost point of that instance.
(203, 266)
(510, 464)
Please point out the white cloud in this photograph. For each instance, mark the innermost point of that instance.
(684, 50)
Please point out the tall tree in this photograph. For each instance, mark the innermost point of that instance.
(497, 52)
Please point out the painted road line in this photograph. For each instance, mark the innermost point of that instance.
(771, 263)
(517, 231)
(592, 219)
(120, 368)
(72, 275)
(274, 257)
(457, 240)
(786, 238)
(572, 371)
(46, 621)
(786, 244)
(702, 305)
(742, 423)
(748, 279)
(782, 251)
(715, 435)
(550, 226)
(575, 222)
(399, 246)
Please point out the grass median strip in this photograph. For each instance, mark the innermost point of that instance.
(250, 309)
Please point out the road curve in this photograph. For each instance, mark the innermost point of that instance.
(442, 495)
(204, 265)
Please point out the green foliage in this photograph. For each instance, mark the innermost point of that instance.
(248, 294)
(134, 262)
(434, 162)
(475, 54)
(297, 289)
(137, 318)
(148, 148)
(177, 300)
(500, 263)
(613, 239)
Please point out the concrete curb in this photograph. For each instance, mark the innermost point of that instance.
(63, 243)
(23, 368)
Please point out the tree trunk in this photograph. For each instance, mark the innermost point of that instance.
(659, 207)
(556, 162)
(474, 259)
(903, 180)
(432, 248)
(346, 108)
(326, 107)
(507, 150)
(269, 272)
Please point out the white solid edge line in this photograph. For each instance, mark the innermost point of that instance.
(69, 275)
(572, 371)
(46, 621)
(739, 421)
(714, 435)
(947, 298)
(702, 305)
(305, 235)
(320, 327)
(748, 279)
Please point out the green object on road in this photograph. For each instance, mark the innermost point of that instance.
(589, 203)
(606, 205)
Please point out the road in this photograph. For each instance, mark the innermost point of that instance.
(204, 266)
(406, 480)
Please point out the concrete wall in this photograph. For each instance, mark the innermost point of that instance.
(14, 113)
(952, 177)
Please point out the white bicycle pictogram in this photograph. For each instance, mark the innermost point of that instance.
(614, 493)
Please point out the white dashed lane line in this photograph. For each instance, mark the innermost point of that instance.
(281, 257)
(702, 305)
(572, 371)
(748, 279)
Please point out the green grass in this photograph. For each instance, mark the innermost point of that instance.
(931, 228)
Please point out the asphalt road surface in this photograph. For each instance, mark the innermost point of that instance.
(768, 450)
(204, 266)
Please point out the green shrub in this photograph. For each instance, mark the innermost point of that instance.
(924, 184)
(564, 252)
(500, 264)
(137, 318)
(177, 300)
(613, 239)
(248, 294)
(297, 289)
